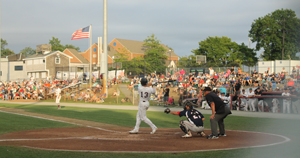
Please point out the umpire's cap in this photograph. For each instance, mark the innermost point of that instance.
(206, 89)
(144, 81)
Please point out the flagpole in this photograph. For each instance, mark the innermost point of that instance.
(0, 43)
(90, 57)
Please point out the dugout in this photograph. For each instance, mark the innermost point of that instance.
(267, 102)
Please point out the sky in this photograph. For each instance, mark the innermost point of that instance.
(179, 24)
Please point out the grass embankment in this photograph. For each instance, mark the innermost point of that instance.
(110, 100)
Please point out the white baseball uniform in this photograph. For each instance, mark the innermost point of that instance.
(225, 99)
(251, 101)
(275, 103)
(144, 93)
(244, 101)
(286, 104)
(58, 96)
(263, 104)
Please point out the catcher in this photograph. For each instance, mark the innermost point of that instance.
(194, 123)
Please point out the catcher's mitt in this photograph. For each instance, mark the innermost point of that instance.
(167, 110)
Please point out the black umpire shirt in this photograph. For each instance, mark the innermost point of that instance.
(237, 86)
(194, 116)
(258, 92)
(167, 90)
(219, 104)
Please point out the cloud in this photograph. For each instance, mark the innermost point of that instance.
(178, 24)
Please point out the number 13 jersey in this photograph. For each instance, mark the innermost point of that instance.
(145, 93)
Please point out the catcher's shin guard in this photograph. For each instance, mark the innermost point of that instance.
(182, 127)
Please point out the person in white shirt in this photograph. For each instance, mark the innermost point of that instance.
(58, 96)
(145, 92)
(225, 99)
(244, 101)
(286, 102)
(275, 104)
(31, 78)
(211, 71)
(251, 100)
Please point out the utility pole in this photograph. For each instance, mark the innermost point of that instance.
(105, 47)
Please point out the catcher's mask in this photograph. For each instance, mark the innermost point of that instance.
(144, 81)
(190, 105)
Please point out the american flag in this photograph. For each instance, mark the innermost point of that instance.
(81, 33)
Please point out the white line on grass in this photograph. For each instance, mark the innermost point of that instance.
(62, 121)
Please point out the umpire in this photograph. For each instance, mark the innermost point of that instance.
(219, 113)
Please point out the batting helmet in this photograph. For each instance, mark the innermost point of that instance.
(144, 81)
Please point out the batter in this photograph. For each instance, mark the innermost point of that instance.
(145, 92)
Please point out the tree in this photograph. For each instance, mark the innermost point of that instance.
(137, 66)
(278, 34)
(155, 54)
(3, 44)
(248, 55)
(27, 51)
(5, 51)
(72, 47)
(219, 51)
(189, 61)
(56, 46)
(122, 56)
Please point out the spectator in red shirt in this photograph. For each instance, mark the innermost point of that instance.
(182, 72)
(171, 101)
(201, 81)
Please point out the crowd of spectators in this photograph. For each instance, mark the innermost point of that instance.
(229, 83)
(44, 89)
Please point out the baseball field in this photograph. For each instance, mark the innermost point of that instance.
(37, 130)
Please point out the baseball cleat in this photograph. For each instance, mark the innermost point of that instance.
(212, 137)
(202, 134)
(188, 135)
(133, 132)
(153, 131)
(222, 135)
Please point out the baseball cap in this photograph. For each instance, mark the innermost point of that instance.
(243, 90)
(206, 89)
(250, 88)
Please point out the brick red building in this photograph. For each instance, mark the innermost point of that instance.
(130, 47)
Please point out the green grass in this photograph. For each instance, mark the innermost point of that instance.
(286, 127)
(11, 123)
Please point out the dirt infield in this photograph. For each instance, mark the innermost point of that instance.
(99, 137)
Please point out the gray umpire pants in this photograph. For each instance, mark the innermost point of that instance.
(219, 119)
